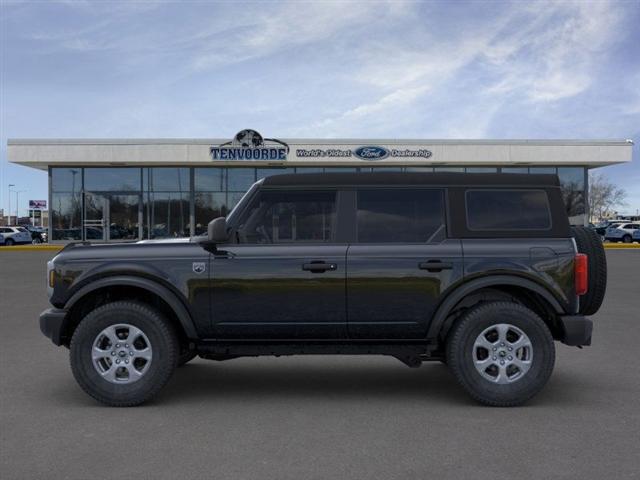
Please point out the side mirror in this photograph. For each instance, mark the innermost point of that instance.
(217, 230)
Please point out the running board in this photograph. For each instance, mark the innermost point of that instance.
(411, 354)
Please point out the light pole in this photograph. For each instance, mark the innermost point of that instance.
(9, 212)
(18, 192)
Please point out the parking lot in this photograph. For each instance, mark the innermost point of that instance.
(318, 417)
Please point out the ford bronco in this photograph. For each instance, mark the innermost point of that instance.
(479, 271)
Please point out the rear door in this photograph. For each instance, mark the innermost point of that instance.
(400, 263)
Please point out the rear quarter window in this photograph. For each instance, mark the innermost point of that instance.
(514, 209)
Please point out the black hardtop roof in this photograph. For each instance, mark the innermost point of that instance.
(414, 178)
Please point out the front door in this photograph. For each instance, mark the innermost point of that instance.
(285, 278)
(112, 217)
(400, 264)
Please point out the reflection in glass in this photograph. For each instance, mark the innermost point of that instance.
(572, 186)
(210, 179)
(240, 178)
(166, 215)
(418, 169)
(166, 179)
(481, 169)
(449, 169)
(267, 172)
(66, 179)
(542, 170)
(124, 217)
(515, 170)
(208, 205)
(65, 216)
(112, 179)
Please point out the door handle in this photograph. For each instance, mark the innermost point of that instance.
(319, 267)
(435, 266)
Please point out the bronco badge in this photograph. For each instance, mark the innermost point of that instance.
(199, 267)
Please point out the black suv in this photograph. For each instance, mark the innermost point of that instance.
(479, 271)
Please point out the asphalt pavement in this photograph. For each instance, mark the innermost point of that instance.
(318, 417)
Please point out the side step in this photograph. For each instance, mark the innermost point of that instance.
(411, 354)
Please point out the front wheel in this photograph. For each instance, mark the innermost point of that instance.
(123, 353)
(501, 353)
(9, 242)
(626, 239)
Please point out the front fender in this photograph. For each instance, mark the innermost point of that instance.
(175, 303)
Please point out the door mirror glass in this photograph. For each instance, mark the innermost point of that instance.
(217, 230)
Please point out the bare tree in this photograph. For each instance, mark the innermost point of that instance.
(604, 196)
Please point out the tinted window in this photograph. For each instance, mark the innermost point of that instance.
(399, 216)
(285, 217)
(508, 210)
(111, 179)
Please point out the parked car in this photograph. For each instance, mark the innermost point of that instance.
(1, 239)
(601, 228)
(341, 263)
(636, 235)
(38, 234)
(622, 232)
(15, 235)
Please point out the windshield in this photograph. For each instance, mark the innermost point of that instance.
(235, 209)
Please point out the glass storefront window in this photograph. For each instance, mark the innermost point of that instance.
(240, 178)
(65, 216)
(449, 169)
(340, 169)
(210, 179)
(112, 179)
(542, 170)
(267, 172)
(166, 179)
(309, 170)
(166, 215)
(481, 169)
(418, 169)
(66, 179)
(208, 205)
(573, 192)
(514, 170)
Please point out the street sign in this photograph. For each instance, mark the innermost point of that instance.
(38, 204)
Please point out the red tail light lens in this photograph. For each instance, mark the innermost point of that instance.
(581, 274)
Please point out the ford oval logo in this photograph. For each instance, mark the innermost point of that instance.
(371, 153)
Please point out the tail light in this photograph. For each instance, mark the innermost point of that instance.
(581, 275)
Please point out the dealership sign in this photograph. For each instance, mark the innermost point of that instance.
(38, 204)
(250, 145)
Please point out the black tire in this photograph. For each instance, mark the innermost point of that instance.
(161, 337)
(626, 239)
(589, 243)
(9, 242)
(36, 241)
(460, 351)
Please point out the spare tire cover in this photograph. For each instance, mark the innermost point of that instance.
(589, 243)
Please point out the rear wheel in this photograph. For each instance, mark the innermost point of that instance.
(626, 239)
(9, 242)
(123, 353)
(501, 353)
(36, 241)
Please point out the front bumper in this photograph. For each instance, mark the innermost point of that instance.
(576, 330)
(52, 322)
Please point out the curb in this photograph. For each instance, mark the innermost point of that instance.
(26, 248)
(621, 246)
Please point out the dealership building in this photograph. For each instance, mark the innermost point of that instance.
(133, 189)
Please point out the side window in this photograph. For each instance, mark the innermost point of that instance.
(508, 210)
(399, 216)
(290, 216)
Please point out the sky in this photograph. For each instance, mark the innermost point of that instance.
(374, 69)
